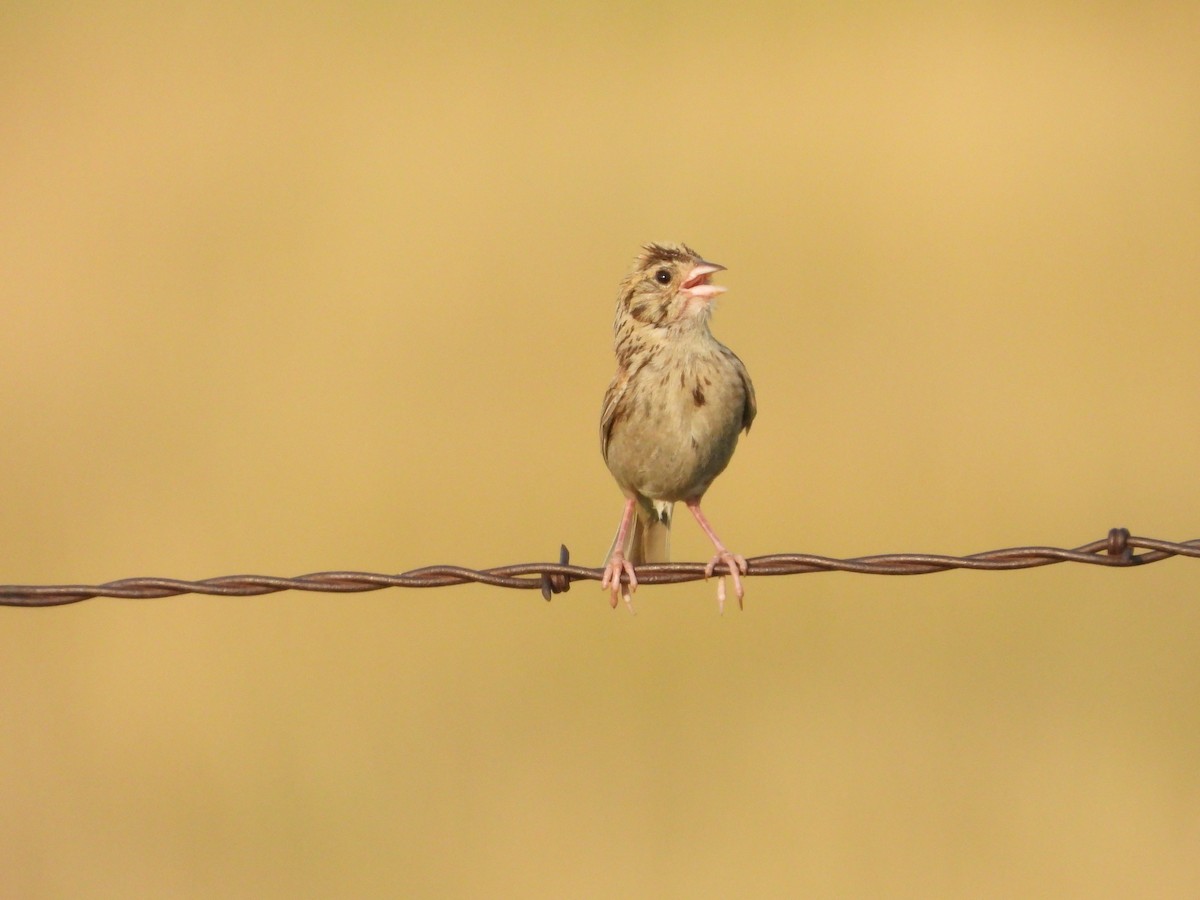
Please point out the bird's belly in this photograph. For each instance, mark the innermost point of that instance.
(679, 443)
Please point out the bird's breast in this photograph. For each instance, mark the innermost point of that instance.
(681, 424)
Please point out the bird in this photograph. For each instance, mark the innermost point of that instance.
(672, 414)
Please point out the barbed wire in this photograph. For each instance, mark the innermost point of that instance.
(1116, 551)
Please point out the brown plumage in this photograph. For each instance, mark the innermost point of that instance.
(673, 412)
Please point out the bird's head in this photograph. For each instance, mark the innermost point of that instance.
(669, 285)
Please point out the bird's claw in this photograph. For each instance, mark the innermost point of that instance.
(611, 580)
(737, 568)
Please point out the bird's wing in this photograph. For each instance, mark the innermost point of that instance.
(750, 410)
(612, 410)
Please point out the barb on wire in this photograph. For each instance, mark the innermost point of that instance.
(1117, 550)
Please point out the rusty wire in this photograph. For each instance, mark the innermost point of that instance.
(1117, 550)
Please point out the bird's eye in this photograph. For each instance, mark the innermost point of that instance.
(662, 276)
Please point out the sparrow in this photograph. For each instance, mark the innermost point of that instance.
(673, 412)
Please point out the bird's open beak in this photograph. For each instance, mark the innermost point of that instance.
(696, 284)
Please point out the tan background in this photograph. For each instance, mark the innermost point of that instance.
(330, 286)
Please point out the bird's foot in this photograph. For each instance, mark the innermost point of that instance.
(737, 568)
(611, 581)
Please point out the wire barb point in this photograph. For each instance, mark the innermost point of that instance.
(556, 582)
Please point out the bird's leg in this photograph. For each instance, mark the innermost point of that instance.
(736, 564)
(618, 564)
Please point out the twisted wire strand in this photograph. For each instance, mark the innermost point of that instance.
(1114, 551)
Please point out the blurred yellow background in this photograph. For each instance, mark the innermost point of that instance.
(300, 287)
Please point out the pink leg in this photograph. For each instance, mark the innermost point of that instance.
(736, 564)
(618, 564)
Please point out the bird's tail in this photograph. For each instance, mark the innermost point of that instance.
(649, 540)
